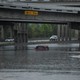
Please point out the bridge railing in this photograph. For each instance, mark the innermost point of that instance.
(40, 1)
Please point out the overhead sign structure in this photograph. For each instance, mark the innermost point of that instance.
(31, 12)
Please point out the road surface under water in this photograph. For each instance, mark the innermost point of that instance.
(60, 62)
(59, 56)
(37, 76)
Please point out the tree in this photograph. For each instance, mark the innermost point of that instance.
(41, 30)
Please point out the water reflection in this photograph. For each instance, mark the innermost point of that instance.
(56, 58)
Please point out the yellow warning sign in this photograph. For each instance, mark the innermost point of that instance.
(30, 12)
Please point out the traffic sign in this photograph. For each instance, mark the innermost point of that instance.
(31, 12)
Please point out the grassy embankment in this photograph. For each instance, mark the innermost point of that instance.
(6, 43)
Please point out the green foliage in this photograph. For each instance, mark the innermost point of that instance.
(41, 30)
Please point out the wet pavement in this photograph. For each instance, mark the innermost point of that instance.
(58, 57)
(60, 62)
(37, 76)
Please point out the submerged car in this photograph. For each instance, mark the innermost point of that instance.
(41, 48)
(53, 38)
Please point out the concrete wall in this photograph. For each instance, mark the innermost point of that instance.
(42, 16)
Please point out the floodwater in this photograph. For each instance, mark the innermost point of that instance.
(59, 56)
(37, 76)
(60, 62)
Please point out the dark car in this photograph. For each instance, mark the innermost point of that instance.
(42, 48)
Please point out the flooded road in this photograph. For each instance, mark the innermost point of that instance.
(60, 62)
(59, 56)
(37, 76)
